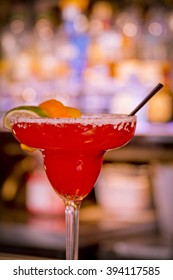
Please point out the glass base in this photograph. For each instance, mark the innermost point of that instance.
(72, 229)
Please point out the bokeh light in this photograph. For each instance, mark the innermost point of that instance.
(155, 28)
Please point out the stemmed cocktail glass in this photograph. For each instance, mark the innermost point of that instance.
(73, 150)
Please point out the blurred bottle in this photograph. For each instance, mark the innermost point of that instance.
(13, 188)
(161, 105)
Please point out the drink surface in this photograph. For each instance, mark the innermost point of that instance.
(73, 149)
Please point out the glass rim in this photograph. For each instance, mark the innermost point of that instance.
(102, 118)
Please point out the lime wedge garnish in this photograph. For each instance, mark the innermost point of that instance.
(23, 111)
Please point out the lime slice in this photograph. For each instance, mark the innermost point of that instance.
(23, 111)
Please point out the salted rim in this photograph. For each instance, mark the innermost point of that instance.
(84, 119)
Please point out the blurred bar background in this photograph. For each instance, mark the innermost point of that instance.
(99, 56)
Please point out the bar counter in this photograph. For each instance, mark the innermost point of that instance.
(102, 236)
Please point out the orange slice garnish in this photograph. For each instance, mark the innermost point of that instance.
(74, 112)
(55, 108)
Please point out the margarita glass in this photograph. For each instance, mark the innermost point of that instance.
(73, 150)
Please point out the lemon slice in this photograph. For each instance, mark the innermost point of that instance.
(23, 111)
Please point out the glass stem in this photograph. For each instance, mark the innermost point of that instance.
(72, 229)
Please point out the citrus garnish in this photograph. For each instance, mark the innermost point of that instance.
(27, 148)
(54, 108)
(74, 112)
(23, 111)
(57, 110)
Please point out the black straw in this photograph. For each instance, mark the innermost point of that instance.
(145, 100)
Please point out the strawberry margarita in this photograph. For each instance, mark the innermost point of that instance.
(73, 148)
